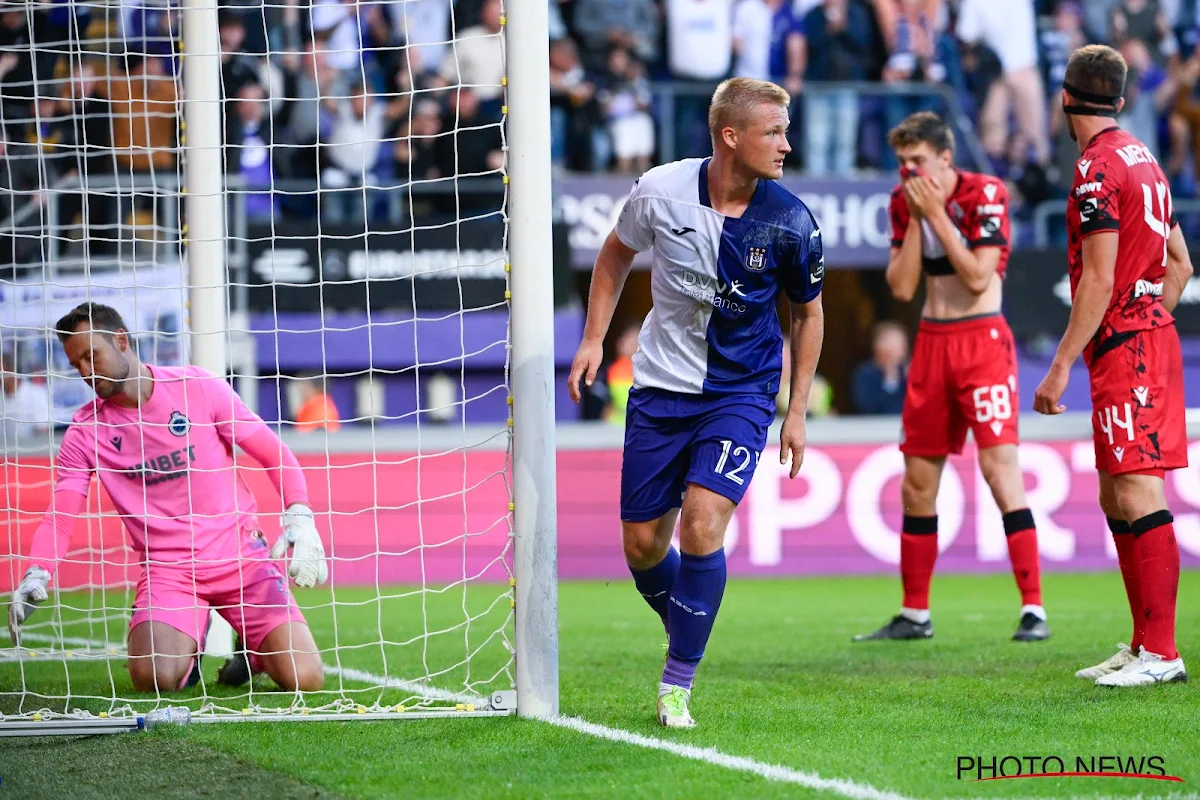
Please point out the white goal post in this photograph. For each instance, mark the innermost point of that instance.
(436, 499)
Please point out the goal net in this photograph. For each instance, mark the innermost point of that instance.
(321, 213)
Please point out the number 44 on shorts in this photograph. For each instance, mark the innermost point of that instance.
(1110, 417)
(737, 458)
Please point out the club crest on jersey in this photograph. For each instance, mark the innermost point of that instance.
(957, 210)
(756, 259)
(178, 424)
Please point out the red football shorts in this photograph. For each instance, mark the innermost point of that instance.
(963, 376)
(1139, 415)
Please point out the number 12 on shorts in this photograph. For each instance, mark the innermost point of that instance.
(1110, 417)
(737, 457)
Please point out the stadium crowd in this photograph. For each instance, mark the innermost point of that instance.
(355, 92)
(350, 95)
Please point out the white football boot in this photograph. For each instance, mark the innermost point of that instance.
(1149, 668)
(673, 709)
(1124, 656)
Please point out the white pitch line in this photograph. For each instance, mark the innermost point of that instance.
(115, 647)
(709, 755)
(349, 673)
(430, 692)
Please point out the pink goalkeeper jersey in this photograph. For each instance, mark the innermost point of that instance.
(168, 466)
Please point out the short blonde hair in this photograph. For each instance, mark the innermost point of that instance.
(736, 98)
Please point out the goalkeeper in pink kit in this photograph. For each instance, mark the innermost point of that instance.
(161, 441)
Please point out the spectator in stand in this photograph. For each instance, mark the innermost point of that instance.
(471, 146)
(424, 25)
(24, 408)
(385, 58)
(618, 378)
(351, 151)
(768, 41)
(237, 68)
(316, 410)
(626, 104)
(786, 60)
(21, 181)
(476, 60)
(1058, 43)
(752, 23)
(837, 43)
(697, 27)
(910, 36)
(604, 24)
(145, 115)
(416, 143)
(336, 31)
(555, 24)
(1009, 29)
(16, 63)
(1186, 23)
(878, 385)
(1144, 21)
(84, 152)
(1149, 92)
(248, 131)
(575, 134)
(1097, 18)
(1185, 125)
(311, 87)
(47, 131)
(151, 29)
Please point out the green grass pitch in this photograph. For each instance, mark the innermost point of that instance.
(782, 685)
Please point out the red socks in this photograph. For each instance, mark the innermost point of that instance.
(1021, 535)
(1158, 573)
(918, 554)
(1125, 541)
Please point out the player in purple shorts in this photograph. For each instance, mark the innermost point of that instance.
(161, 440)
(726, 240)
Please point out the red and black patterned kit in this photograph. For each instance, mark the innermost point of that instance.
(1134, 361)
(963, 374)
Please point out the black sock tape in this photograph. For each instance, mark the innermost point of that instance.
(920, 525)
(1151, 521)
(1017, 521)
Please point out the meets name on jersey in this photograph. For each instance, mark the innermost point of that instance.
(1119, 187)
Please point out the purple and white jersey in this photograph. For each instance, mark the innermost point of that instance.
(715, 281)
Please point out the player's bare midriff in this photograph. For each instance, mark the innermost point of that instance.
(947, 297)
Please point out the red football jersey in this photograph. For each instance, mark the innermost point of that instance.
(1120, 187)
(978, 206)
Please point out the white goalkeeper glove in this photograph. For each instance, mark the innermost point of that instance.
(30, 593)
(307, 564)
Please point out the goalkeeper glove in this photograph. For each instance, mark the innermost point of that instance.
(30, 593)
(307, 565)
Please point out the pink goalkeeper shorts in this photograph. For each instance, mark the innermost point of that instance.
(251, 594)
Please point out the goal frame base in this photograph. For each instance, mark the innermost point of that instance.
(497, 704)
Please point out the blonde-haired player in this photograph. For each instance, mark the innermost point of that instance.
(727, 239)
